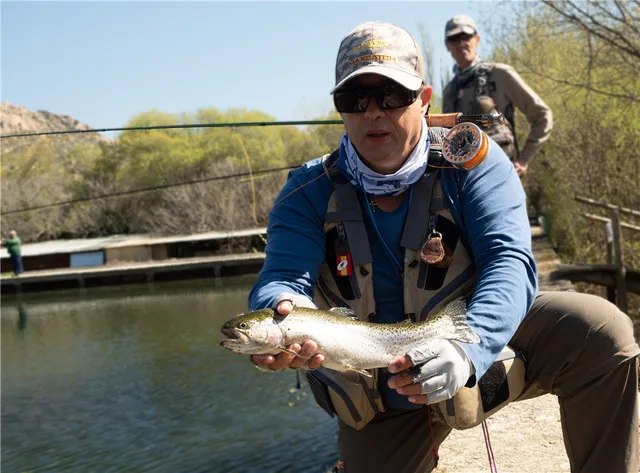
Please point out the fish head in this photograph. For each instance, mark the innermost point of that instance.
(254, 333)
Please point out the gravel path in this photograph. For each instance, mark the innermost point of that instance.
(526, 437)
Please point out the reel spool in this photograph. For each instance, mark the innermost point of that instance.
(466, 145)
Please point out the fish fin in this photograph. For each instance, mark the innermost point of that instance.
(359, 371)
(344, 311)
(291, 352)
(456, 315)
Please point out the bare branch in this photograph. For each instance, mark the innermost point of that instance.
(608, 13)
(427, 51)
(611, 30)
(633, 98)
(595, 27)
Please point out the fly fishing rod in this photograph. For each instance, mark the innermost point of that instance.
(449, 120)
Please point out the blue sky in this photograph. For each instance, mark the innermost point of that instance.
(104, 62)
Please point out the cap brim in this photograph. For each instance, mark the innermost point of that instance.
(409, 81)
(458, 30)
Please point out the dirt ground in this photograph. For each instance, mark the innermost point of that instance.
(526, 437)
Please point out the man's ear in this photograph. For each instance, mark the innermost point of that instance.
(425, 98)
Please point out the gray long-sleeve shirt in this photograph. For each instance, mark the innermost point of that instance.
(510, 88)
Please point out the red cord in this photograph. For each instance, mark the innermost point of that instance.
(433, 440)
(487, 443)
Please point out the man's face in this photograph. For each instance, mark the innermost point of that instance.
(463, 48)
(385, 138)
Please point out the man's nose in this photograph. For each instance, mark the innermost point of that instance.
(373, 112)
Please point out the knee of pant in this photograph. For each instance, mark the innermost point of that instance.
(607, 327)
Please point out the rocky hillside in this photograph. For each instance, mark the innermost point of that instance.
(15, 119)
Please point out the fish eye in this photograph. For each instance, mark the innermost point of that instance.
(243, 325)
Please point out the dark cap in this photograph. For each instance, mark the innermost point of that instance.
(460, 24)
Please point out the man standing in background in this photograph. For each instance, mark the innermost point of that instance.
(14, 247)
(483, 87)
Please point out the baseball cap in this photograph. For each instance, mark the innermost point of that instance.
(380, 48)
(460, 24)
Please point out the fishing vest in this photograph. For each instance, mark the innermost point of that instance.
(346, 278)
(483, 85)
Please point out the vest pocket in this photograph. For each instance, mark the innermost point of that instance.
(355, 402)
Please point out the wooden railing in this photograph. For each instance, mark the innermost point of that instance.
(615, 276)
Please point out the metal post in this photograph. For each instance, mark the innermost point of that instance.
(621, 287)
(608, 230)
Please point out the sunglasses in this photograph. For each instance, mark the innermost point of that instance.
(460, 37)
(387, 97)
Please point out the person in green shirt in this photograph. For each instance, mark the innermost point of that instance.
(14, 247)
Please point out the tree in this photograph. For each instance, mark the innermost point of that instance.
(427, 54)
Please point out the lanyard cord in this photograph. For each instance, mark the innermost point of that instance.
(384, 243)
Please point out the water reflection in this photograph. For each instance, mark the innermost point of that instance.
(22, 316)
(133, 379)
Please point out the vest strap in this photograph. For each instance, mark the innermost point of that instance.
(349, 204)
(349, 211)
(344, 216)
(419, 209)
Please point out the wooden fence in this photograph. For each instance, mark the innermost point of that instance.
(614, 275)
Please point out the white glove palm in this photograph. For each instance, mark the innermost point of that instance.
(441, 368)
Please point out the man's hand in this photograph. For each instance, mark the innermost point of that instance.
(432, 373)
(282, 360)
(521, 168)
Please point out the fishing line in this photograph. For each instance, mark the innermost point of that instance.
(253, 187)
(306, 184)
(146, 189)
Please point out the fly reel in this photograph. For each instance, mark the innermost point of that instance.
(466, 146)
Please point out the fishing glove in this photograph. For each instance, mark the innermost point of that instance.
(441, 368)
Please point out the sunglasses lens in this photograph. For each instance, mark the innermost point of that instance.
(387, 97)
(395, 97)
(351, 101)
(460, 37)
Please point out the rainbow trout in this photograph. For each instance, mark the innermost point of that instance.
(347, 344)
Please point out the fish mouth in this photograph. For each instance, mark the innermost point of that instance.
(233, 338)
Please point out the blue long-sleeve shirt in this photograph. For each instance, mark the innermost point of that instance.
(488, 203)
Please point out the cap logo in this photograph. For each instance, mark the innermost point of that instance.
(371, 58)
(370, 44)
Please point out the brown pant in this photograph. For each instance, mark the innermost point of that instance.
(578, 347)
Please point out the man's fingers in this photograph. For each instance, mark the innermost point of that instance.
(398, 381)
(412, 389)
(316, 361)
(521, 169)
(426, 386)
(422, 399)
(306, 354)
(262, 360)
(283, 359)
(307, 350)
(285, 307)
(400, 364)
